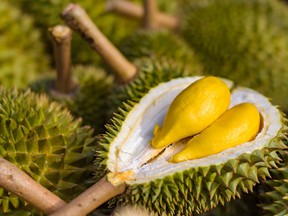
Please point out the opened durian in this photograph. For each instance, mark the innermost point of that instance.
(245, 41)
(90, 100)
(21, 50)
(192, 186)
(44, 141)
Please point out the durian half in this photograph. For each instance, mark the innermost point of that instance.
(192, 186)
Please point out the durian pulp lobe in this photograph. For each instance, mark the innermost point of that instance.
(193, 110)
(237, 125)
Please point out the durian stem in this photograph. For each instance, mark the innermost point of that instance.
(61, 37)
(90, 199)
(132, 10)
(16, 181)
(77, 18)
(150, 13)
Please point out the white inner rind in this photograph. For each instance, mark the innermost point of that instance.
(131, 149)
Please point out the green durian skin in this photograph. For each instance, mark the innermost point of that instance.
(274, 196)
(191, 191)
(242, 40)
(46, 142)
(156, 44)
(22, 53)
(93, 99)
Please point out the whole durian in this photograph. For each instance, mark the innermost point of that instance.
(92, 100)
(245, 41)
(188, 187)
(21, 50)
(44, 141)
(156, 44)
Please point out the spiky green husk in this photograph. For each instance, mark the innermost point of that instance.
(92, 101)
(275, 195)
(44, 141)
(245, 41)
(196, 190)
(21, 50)
(157, 44)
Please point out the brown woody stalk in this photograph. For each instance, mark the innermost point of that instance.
(77, 19)
(132, 10)
(150, 13)
(16, 181)
(90, 199)
(61, 37)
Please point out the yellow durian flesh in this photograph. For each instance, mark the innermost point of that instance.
(193, 110)
(239, 124)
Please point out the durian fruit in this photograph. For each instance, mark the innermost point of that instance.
(192, 186)
(245, 41)
(21, 50)
(92, 99)
(44, 140)
(156, 44)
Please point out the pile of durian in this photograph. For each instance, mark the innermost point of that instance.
(152, 107)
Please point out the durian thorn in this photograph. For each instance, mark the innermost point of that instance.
(77, 18)
(90, 199)
(18, 182)
(150, 13)
(132, 10)
(61, 37)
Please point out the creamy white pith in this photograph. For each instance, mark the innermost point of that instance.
(131, 149)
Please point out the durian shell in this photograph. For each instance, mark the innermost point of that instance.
(191, 191)
(22, 53)
(157, 44)
(44, 140)
(92, 100)
(245, 41)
